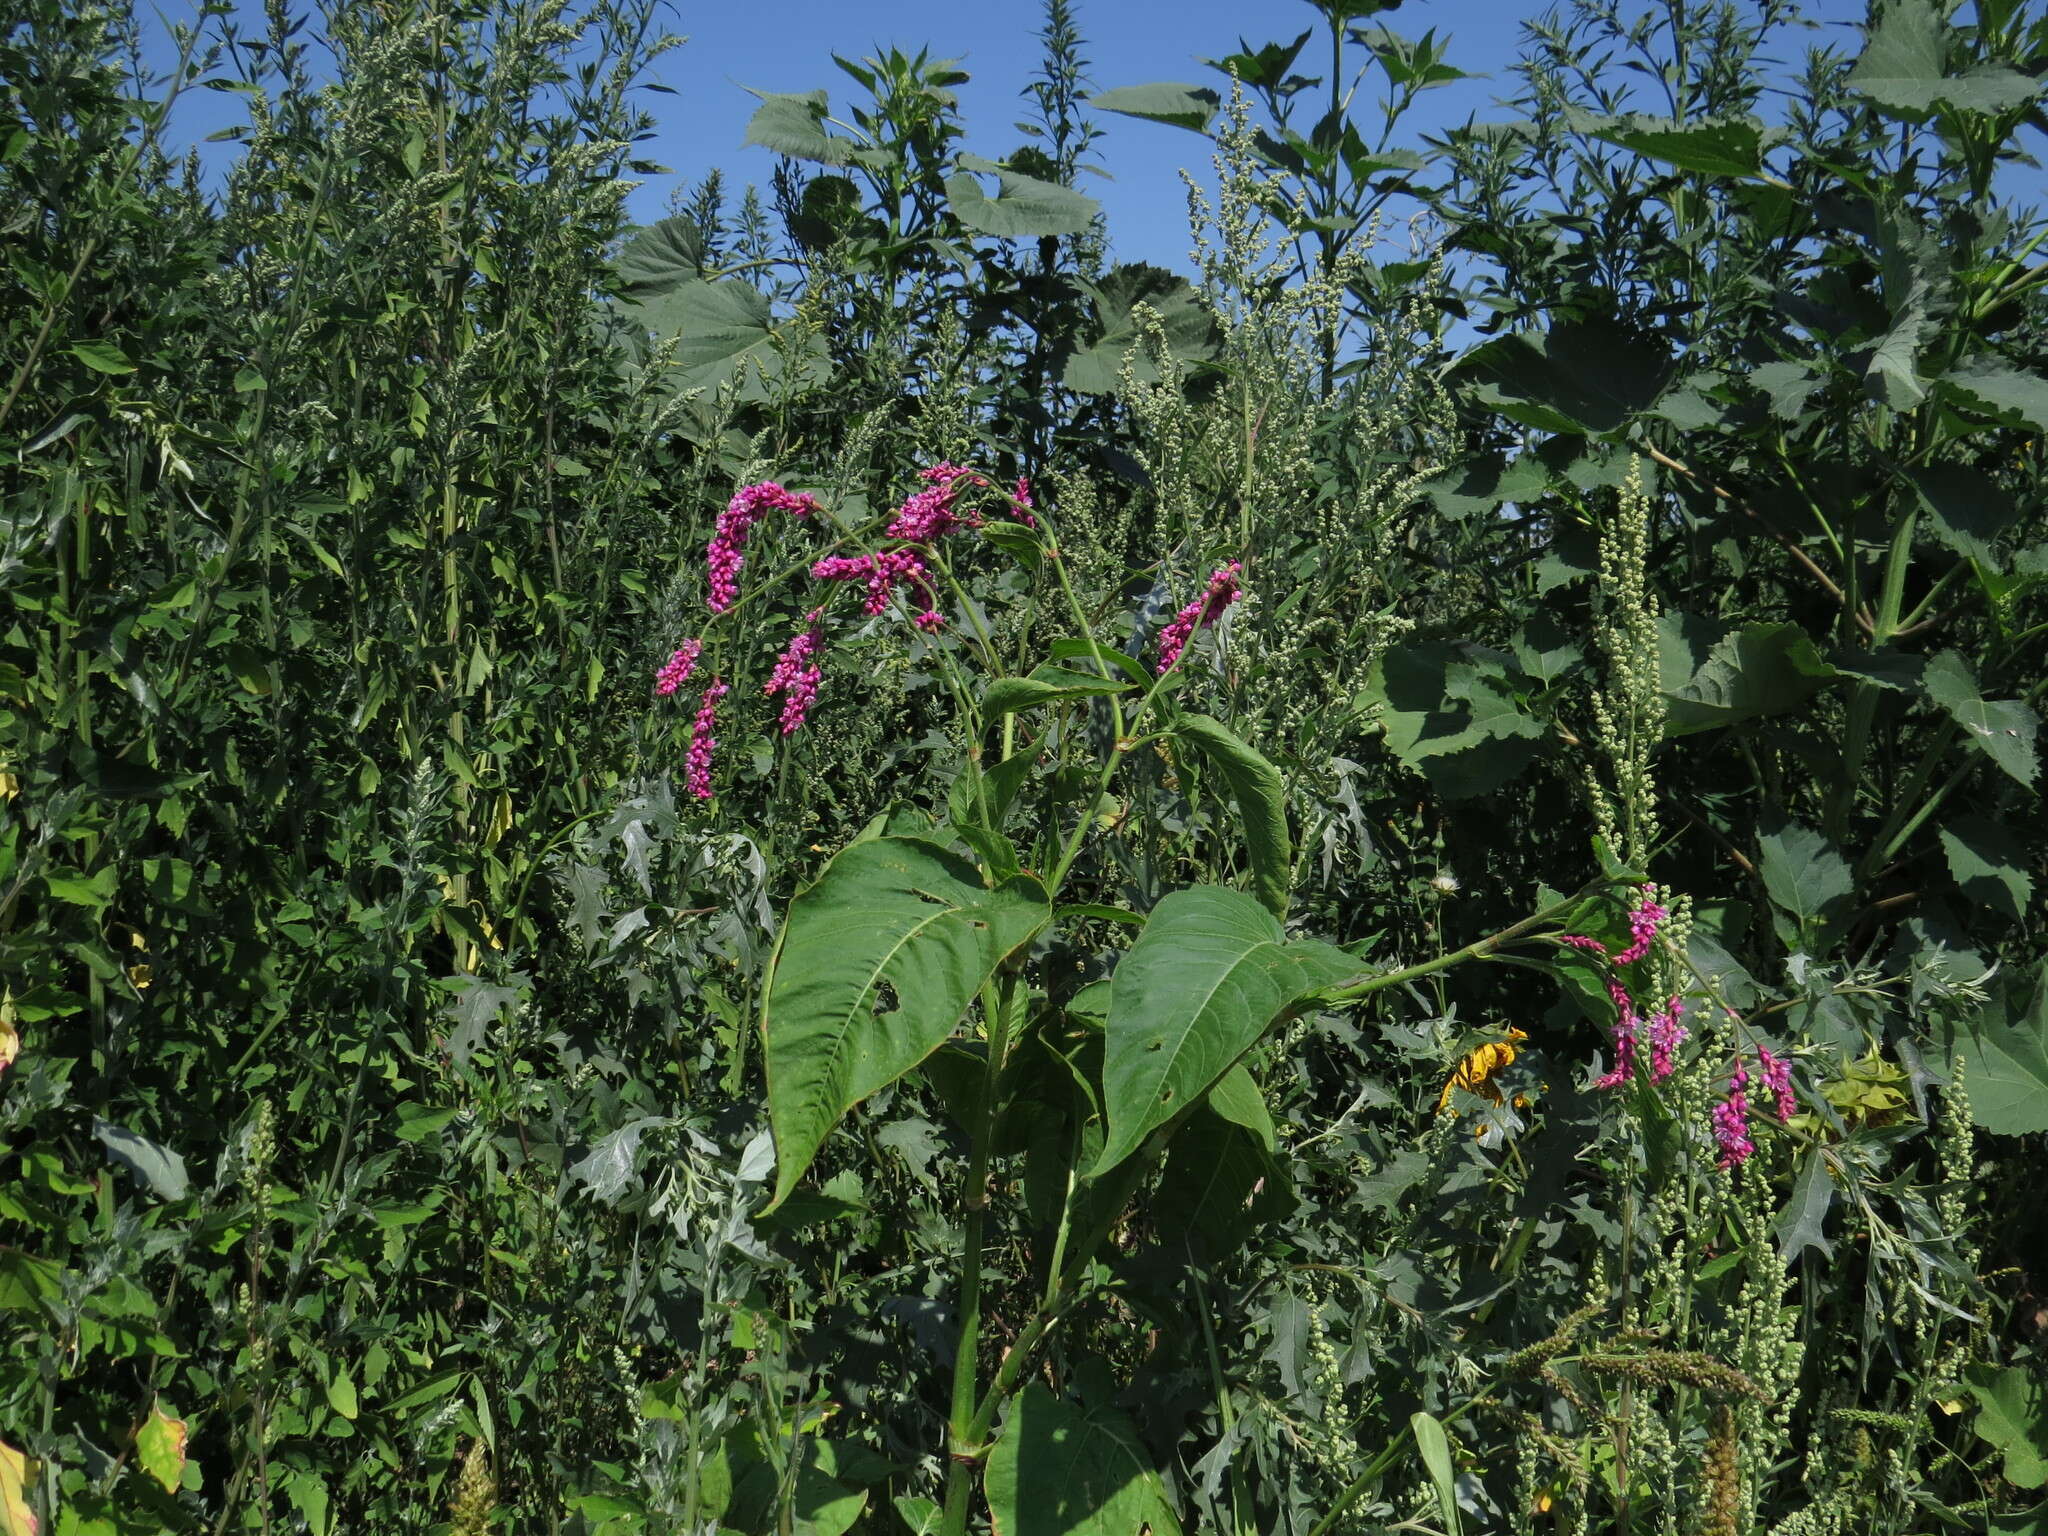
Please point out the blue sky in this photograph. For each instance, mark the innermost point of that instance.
(786, 45)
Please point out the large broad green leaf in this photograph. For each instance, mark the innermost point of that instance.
(154, 1165)
(1023, 208)
(1713, 146)
(1966, 509)
(1183, 106)
(1803, 1222)
(1185, 322)
(793, 124)
(1208, 976)
(2012, 1413)
(1981, 856)
(878, 963)
(2002, 729)
(1806, 877)
(1261, 797)
(1064, 1470)
(1580, 376)
(2020, 399)
(724, 329)
(661, 258)
(2005, 1051)
(1904, 68)
(1219, 1183)
(1450, 712)
(1762, 669)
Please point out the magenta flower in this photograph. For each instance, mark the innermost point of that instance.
(931, 621)
(1199, 613)
(697, 764)
(1583, 941)
(1643, 921)
(725, 556)
(797, 675)
(1626, 1025)
(1021, 503)
(883, 572)
(1777, 1073)
(1667, 1034)
(677, 669)
(1731, 1120)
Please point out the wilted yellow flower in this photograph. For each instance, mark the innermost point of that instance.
(1476, 1072)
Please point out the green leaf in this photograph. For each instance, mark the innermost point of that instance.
(1261, 796)
(1904, 68)
(1185, 322)
(1966, 509)
(1435, 1446)
(661, 258)
(1046, 685)
(1802, 1224)
(2002, 729)
(1209, 975)
(1804, 875)
(2019, 399)
(793, 124)
(2012, 1414)
(724, 330)
(1064, 1470)
(1712, 146)
(160, 1447)
(878, 963)
(2005, 1049)
(1580, 376)
(1181, 106)
(102, 357)
(157, 1167)
(1980, 857)
(1023, 208)
(1236, 1098)
(1449, 711)
(1761, 669)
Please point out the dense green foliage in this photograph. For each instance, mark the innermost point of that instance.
(1070, 1083)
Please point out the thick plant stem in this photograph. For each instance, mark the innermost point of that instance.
(965, 1442)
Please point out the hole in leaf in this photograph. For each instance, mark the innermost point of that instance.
(886, 1000)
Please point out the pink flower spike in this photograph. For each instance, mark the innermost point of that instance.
(797, 675)
(1582, 941)
(1199, 613)
(1021, 503)
(1777, 1073)
(697, 764)
(931, 621)
(1731, 1120)
(725, 555)
(677, 669)
(1626, 1025)
(1643, 921)
(1667, 1034)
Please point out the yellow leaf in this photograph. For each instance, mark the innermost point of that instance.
(16, 1518)
(160, 1447)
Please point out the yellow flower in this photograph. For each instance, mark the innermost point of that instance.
(1476, 1072)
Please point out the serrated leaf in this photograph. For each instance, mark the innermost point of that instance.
(1064, 1470)
(1966, 509)
(1580, 376)
(1980, 857)
(2005, 1049)
(2002, 729)
(1210, 973)
(1185, 322)
(661, 258)
(1904, 68)
(2020, 399)
(1761, 669)
(1804, 874)
(1450, 712)
(1183, 106)
(2012, 1414)
(1023, 208)
(878, 963)
(1802, 1224)
(727, 330)
(793, 124)
(1725, 146)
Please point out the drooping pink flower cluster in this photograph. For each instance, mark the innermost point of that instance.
(884, 571)
(929, 515)
(1731, 1120)
(797, 674)
(1777, 1074)
(697, 764)
(677, 669)
(726, 554)
(1665, 1027)
(1644, 919)
(1021, 504)
(1200, 613)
